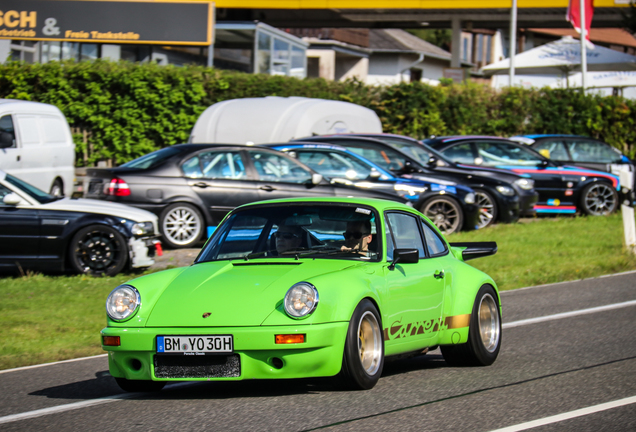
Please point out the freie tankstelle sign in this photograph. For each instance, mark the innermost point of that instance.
(177, 23)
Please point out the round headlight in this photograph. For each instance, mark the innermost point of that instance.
(122, 302)
(301, 300)
(470, 198)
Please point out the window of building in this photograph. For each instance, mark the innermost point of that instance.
(24, 51)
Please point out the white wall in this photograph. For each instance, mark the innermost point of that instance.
(5, 50)
(388, 69)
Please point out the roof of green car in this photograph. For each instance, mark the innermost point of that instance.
(379, 204)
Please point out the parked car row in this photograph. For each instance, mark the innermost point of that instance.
(458, 182)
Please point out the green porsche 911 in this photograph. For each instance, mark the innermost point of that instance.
(301, 288)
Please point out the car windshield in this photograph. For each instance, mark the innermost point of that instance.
(338, 165)
(41, 196)
(295, 232)
(501, 154)
(419, 152)
(153, 159)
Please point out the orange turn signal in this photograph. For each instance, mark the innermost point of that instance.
(111, 341)
(290, 339)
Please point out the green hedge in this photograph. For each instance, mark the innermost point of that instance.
(123, 110)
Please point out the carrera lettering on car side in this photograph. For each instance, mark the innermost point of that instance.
(398, 330)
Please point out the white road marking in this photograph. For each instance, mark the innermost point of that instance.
(83, 404)
(52, 363)
(61, 408)
(568, 415)
(569, 314)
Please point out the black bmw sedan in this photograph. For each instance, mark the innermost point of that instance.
(42, 232)
(191, 187)
(500, 195)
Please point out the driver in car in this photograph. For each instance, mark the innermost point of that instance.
(288, 238)
(357, 237)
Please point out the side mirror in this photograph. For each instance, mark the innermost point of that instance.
(405, 256)
(544, 163)
(316, 178)
(432, 161)
(12, 199)
(374, 174)
(6, 140)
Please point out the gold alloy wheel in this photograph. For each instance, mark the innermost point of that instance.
(369, 343)
(489, 327)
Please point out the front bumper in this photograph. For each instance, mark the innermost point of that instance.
(508, 208)
(260, 357)
(527, 201)
(142, 250)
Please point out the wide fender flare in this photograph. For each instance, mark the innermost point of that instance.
(459, 299)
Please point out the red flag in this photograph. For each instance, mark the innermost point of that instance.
(574, 15)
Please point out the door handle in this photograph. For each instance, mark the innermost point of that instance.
(267, 188)
(439, 274)
(201, 185)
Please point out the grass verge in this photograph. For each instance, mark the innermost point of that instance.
(50, 318)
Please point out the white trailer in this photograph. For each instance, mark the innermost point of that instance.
(275, 119)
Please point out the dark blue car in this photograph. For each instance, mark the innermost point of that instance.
(451, 206)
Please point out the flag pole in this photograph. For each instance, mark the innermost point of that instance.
(513, 42)
(583, 27)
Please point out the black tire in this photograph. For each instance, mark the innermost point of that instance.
(484, 334)
(57, 188)
(181, 225)
(445, 213)
(487, 208)
(363, 358)
(98, 250)
(599, 199)
(138, 386)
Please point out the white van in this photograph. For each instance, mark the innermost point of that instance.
(276, 119)
(36, 145)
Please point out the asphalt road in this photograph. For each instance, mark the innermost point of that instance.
(581, 366)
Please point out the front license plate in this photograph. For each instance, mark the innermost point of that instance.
(195, 345)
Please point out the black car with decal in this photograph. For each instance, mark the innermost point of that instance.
(562, 188)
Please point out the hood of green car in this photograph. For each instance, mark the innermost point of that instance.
(233, 293)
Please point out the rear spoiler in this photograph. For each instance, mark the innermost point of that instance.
(471, 250)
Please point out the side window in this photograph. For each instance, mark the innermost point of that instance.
(192, 167)
(389, 241)
(6, 129)
(406, 232)
(436, 246)
(28, 130)
(592, 151)
(277, 168)
(554, 150)
(461, 153)
(221, 165)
